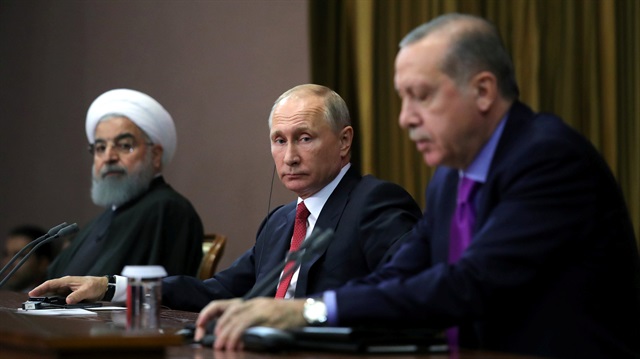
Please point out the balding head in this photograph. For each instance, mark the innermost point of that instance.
(335, 109)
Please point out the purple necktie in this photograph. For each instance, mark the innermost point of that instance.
(460, 236)
(463, 219)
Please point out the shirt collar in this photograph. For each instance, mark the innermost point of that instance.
(479, 168)
(315, 202)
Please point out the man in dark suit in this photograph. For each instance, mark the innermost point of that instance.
(311, 138)
(368, 216)
(551, 268)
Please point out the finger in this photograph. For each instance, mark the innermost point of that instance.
(232, 324)
(50, 286)
(199, 334)
(75, 297)
(231, 310)
(39, 290)
(221, 339)
(86, 288)
(234, 340)
(222, 330)
(210, 312)
(201, 325)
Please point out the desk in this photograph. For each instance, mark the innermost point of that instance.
(95, 337)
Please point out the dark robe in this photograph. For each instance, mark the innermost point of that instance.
(160, 227)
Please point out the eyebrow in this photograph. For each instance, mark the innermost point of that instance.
(118, 137)
(295, 130)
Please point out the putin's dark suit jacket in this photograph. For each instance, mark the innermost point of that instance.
(369, 217)
(552, 266)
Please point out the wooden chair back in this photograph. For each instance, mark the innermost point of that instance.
(213, 248)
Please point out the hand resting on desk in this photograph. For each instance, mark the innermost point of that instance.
(234, 316)
(76, 289)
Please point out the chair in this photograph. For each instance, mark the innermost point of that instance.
(212, 248)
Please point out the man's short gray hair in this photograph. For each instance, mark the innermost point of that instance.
(477, 47)
(335, 109)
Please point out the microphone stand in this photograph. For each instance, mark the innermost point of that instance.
(50, 233)
(316, 241)
(72, 228)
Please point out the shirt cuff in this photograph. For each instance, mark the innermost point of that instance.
(330, 300)
(121, 289)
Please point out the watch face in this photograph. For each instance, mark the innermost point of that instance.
(315, 311)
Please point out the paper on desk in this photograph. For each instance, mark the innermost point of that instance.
(58, 312)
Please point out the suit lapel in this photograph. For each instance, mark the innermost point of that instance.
(520, 116)
(277, 241)
(445, 194)
(329, 218)
(281, 238)
(336, 203)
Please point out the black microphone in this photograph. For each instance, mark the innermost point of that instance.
(50, 233)
(317, 242)
(72, 228)
(316, 245)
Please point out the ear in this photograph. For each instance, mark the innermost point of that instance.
(156, 153)
(485, 86)
(346, 138)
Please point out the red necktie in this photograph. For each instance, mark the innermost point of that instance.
(460, 237)
(299, 233)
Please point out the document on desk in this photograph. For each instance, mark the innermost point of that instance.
(76, 312)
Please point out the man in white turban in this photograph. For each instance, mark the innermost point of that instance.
(146, 222)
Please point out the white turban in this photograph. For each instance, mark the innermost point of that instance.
(142, 110)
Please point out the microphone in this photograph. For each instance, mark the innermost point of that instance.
(50, 233)
(70, 229)
(317, 242)
(312, 246)
(61, 232)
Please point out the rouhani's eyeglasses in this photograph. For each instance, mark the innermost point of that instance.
(122, 144)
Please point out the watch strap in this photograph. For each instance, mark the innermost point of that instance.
(111, 288)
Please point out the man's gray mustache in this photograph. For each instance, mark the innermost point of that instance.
(111, 169)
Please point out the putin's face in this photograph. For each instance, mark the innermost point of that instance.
(307, 151)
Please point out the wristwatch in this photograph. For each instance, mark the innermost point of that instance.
(111, 288)
(315, 311)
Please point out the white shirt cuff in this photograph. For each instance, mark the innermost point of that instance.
(121, 289)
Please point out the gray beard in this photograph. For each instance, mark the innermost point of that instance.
(118, 190)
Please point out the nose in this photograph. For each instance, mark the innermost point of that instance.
(291, 157)
(407, 118)
(111, 154)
